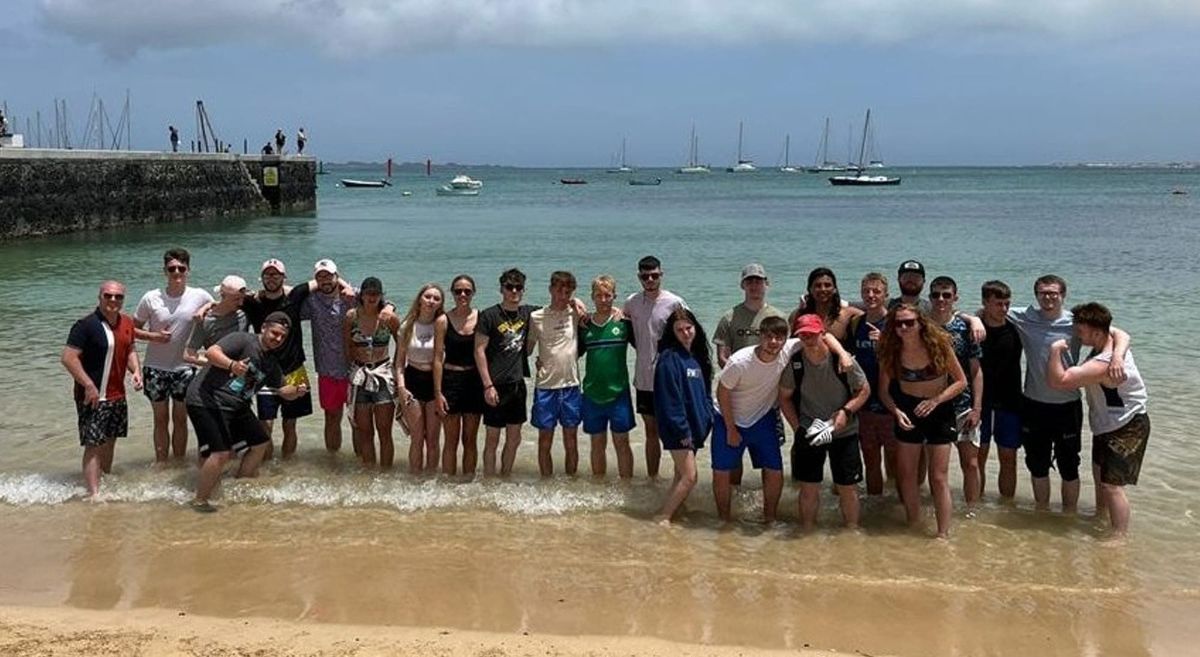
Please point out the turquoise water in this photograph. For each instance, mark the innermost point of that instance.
(1118, 236)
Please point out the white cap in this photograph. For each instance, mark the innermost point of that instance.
(231, 285)
(325, 264)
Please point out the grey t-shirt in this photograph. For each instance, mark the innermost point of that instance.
(738, 328)
(214, 327)
(822, 392)
(217, 388)
(1037, 334)
(649, 316)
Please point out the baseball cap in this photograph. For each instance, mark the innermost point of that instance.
(277, 265)
(753, 270)
(913, 266)
(278, 317)
(231, 285)
(325, 264)
(809, 323)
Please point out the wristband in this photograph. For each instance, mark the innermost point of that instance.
(488, 386)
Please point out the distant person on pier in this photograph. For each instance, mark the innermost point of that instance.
(280, 140)
(98, 354)
(267, 149)
(301, 140)
(174, 138)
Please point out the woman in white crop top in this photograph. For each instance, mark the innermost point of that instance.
(418, 410)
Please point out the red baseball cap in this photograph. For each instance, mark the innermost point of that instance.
(810, 323)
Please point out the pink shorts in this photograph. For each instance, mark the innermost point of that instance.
(333, 392)
(876, 430)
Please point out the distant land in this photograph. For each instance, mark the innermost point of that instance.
(420, 166)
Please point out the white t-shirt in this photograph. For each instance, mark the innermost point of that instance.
(554, 333)
(157, 311)
(1110, 409)
(753, 384)
(649, 316)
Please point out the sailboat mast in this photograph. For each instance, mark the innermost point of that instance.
(862, 149)
(787, 147)
(739, 154)
(622, 152)
(825, 143)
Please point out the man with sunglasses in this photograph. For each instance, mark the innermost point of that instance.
(649, 311)
(98, 353)
(168, 314)
(500, 335)
(968, 407)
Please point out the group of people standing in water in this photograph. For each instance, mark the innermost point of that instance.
(881, 388)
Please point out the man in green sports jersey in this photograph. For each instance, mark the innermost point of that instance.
(607, 402)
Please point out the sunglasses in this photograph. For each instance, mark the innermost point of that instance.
(513, 288)
(113, 297)
(905, 323)
(941, 295)
(1049, 293)
(463, 292)
(650, 276)
(176, 269)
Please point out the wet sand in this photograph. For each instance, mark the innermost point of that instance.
(327, 573)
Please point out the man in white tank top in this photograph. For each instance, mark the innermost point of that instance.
(1116, 409)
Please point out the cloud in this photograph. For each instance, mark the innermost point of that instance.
(350, 28)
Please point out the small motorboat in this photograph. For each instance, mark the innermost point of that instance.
(450, 190)
(350, 182)
(861, 180)
(465, 182)
(572, 181)
(1179, 192)
(647, 182)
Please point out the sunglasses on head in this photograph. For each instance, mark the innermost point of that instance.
(513, 287)
(941, 295)
(905, 323)
(112, 296)
(176, 269)
(462, 291)
(650, 276)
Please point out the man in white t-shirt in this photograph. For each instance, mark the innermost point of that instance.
(167, 314)
(747, 397)
(557, 399)
(649, 311)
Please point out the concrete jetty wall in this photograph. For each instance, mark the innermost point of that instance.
(44, 192)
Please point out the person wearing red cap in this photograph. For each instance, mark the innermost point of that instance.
(821, 405)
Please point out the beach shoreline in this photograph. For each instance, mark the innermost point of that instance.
(54, 631)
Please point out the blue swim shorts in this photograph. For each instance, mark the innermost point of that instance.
(561, 406)
(616, 415)
(761, 439)
(1004, 425)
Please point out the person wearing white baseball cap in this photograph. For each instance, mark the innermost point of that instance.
(325, 309)
(221, 319)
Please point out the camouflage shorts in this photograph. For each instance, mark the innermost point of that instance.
(1119, 453)
(158, 384)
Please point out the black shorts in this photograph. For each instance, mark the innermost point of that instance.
(219, 430)
(1119, 453)
(272, 406)
(645, 402)
(108, 421)
(511, 408)
(463, 391)
(845, 460)
(1050, 433)
(419, 383)
(937, 428)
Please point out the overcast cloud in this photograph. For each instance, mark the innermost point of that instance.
(346, 28)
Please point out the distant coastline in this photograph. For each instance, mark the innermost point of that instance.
(420, 166)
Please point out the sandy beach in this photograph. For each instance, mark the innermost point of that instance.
(54, 632)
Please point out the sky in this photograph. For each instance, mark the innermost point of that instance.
(562, 82)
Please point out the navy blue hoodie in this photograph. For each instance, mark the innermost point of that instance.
(683, 409)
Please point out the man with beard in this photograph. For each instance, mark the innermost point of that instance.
(325, 308)
(240, 367)
(222, 318)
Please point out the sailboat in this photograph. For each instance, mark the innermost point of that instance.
(693, 165)
(623, 168)
(822, 163)
(743, 165)
(859, 178)
(787, 165)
